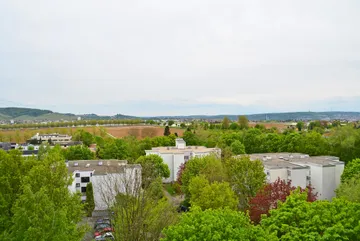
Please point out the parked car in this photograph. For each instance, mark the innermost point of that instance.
(102, 220)
(105, 236)
(102, 228)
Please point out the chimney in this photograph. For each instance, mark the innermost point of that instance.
(180, 143)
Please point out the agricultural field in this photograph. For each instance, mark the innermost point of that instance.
(140, 132)
(279, 125)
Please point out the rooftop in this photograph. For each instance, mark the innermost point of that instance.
(172, 149)
(100, 167)
(294, 160)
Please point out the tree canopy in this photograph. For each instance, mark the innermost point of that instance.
(246, 178)
(211, 195)
(217, 224)
(297, 219)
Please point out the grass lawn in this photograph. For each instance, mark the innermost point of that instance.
(169, 188)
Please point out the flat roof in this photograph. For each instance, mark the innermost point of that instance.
(107, 166)
(172, 149)
(298, 159)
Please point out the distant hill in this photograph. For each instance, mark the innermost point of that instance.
(289, 116)
(29, 114)
(22, 114)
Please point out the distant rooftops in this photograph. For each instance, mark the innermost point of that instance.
(100, 167)
(294, 160)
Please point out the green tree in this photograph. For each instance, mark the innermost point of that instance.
(153, 167)
(114, 149)
(45, 209)
(237, 148)
(350, 189)
(170, 122)
(243, 122)
(225, 123)
(84, 136)
(351, 169)
(217, 225)
(234, 126)
(209, 166)
(300, 125)
(167, 131)
(89, 203)
(246, 178)
(297, 219)
(78, 152)
(211, 195)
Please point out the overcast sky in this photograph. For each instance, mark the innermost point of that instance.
(164, 57)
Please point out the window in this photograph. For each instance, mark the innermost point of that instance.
(77, 174)
(83, 189)
(77, 184)
(90, 174)
(85, 179)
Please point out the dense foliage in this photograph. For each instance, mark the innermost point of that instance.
(297, 219)
(218, 224)
(271, 194)
(35, 201)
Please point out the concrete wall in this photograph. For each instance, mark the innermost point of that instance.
(277, 173)
(329, 184)
(339, 168)
(178, 161)
(317, 180)
(73, 187)
(298, 177)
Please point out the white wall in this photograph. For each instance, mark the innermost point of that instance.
(317, 180)
(277, 173)
(107, 186)
(178, 160)
(298, 177)
(339, 168)
(329, 184)
(73, 187)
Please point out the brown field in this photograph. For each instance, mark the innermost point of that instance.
(141, 131)
(21, 135)
(268, 125)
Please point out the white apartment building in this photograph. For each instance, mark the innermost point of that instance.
(174, 157)
(108, 177)
(322, 172)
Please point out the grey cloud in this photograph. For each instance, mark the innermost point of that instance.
(87, 54)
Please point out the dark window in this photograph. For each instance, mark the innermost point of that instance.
(90, 174)
(77, 184)
(83, 189)
(85, 179)
(77, 174)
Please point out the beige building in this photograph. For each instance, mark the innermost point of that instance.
(175, 156)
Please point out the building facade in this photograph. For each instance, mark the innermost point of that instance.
(108, 177)
(174, 157)
(323, 173)
(55, 138)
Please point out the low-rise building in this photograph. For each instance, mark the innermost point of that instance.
(175, 156)
(322, 172)
(54, 138)
(108, 177)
